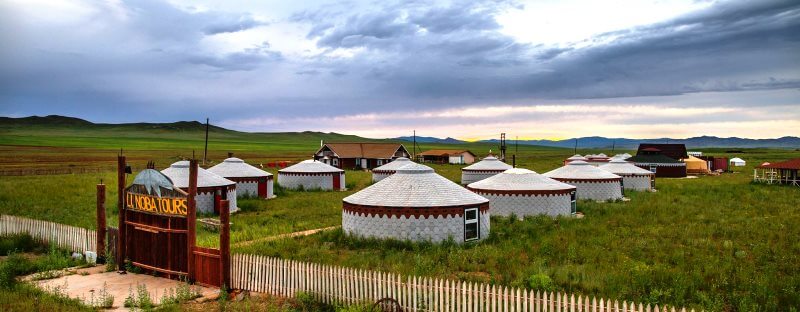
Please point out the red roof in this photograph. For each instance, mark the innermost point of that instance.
(793, 164)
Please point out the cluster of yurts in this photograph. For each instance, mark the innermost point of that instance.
(409, 201)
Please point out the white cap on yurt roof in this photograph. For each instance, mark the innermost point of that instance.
(310, 166)
(577, 157)
(737, 159)
(601, 155)
(519, 179)
(489, 163)
(620, 166)
(178, 172)
(415, 185)
(236, 168)
(580, 169)
(394, 165)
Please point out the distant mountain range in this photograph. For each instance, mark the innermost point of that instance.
(602, 142)
(53, 122)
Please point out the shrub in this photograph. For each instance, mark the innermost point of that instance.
(541, 281)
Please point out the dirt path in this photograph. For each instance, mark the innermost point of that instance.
(287, 235)
(88, 284)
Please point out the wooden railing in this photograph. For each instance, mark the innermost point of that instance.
(334, 284)
(64, 236)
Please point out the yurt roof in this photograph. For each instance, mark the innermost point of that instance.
(580, 170)
(519, 179)
(619, 166)
(310, 166)
(737, 159)
(577, 157)
(178, 172)
(236, 168)
(415, 185)
(394, 164)
(489, 163)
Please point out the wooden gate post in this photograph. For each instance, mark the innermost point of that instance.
(191, 219)
(121, 207)
(101, 223)
(225, 244)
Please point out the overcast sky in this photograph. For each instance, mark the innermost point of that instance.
(466, 69)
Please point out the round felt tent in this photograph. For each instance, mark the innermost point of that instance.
(211, 188)
(312, 175)
(633, 178)
(523, 192)
(250, 181)
(386, 170)
(483, 169)
(574, 158)
(416, 204)
(597, 160)
(591, 182)
(737, 162)
(696, 165)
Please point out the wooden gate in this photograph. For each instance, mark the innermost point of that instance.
(157, 230)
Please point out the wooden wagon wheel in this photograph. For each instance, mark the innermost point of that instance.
(387, 305)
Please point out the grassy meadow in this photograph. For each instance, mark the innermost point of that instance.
(718, 243)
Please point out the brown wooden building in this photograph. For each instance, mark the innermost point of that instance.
(359, 155)
(653, 159)
(446, 156)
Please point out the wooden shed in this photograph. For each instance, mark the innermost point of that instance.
(446, 156)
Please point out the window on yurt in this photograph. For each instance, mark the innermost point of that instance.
(574, 202)
(471, 224)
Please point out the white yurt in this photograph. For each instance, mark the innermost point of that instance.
(311, 175)
(574, 158)
(211, 188)
(416, 204)
(737, 162)
(483, 169)
(597, 160)
(386, 170)
(592, 183)
(523, 192)
(250, 181)
(633, 178)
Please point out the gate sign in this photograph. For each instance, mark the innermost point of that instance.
(156, 205)
(152, 192)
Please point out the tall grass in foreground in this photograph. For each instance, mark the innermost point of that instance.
(717, 243)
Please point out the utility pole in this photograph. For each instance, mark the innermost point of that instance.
(576, 146)
(205, 150)
(414, 157)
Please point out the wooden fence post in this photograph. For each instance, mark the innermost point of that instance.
(225, 243)
(101, 223)
(191, 219)
(121, 237)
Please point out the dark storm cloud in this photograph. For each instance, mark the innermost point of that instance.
(401, 56)
(727, 47)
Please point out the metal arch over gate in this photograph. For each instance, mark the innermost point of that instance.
(157, 229)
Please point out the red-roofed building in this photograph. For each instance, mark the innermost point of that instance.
(359, 155)
(784, 172)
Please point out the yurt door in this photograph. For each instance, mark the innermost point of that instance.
(262, 187)
(471, 224)
(217, 198)
(337, 181)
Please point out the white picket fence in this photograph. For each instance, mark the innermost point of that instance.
(64, 236)
(333, 284)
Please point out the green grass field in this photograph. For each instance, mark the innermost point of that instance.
(717, 242)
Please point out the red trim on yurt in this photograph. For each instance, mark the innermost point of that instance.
(484, 170)
(523, 192)
(408, 212)
(606, 180)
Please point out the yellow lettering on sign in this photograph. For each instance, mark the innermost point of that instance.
(157, 205)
